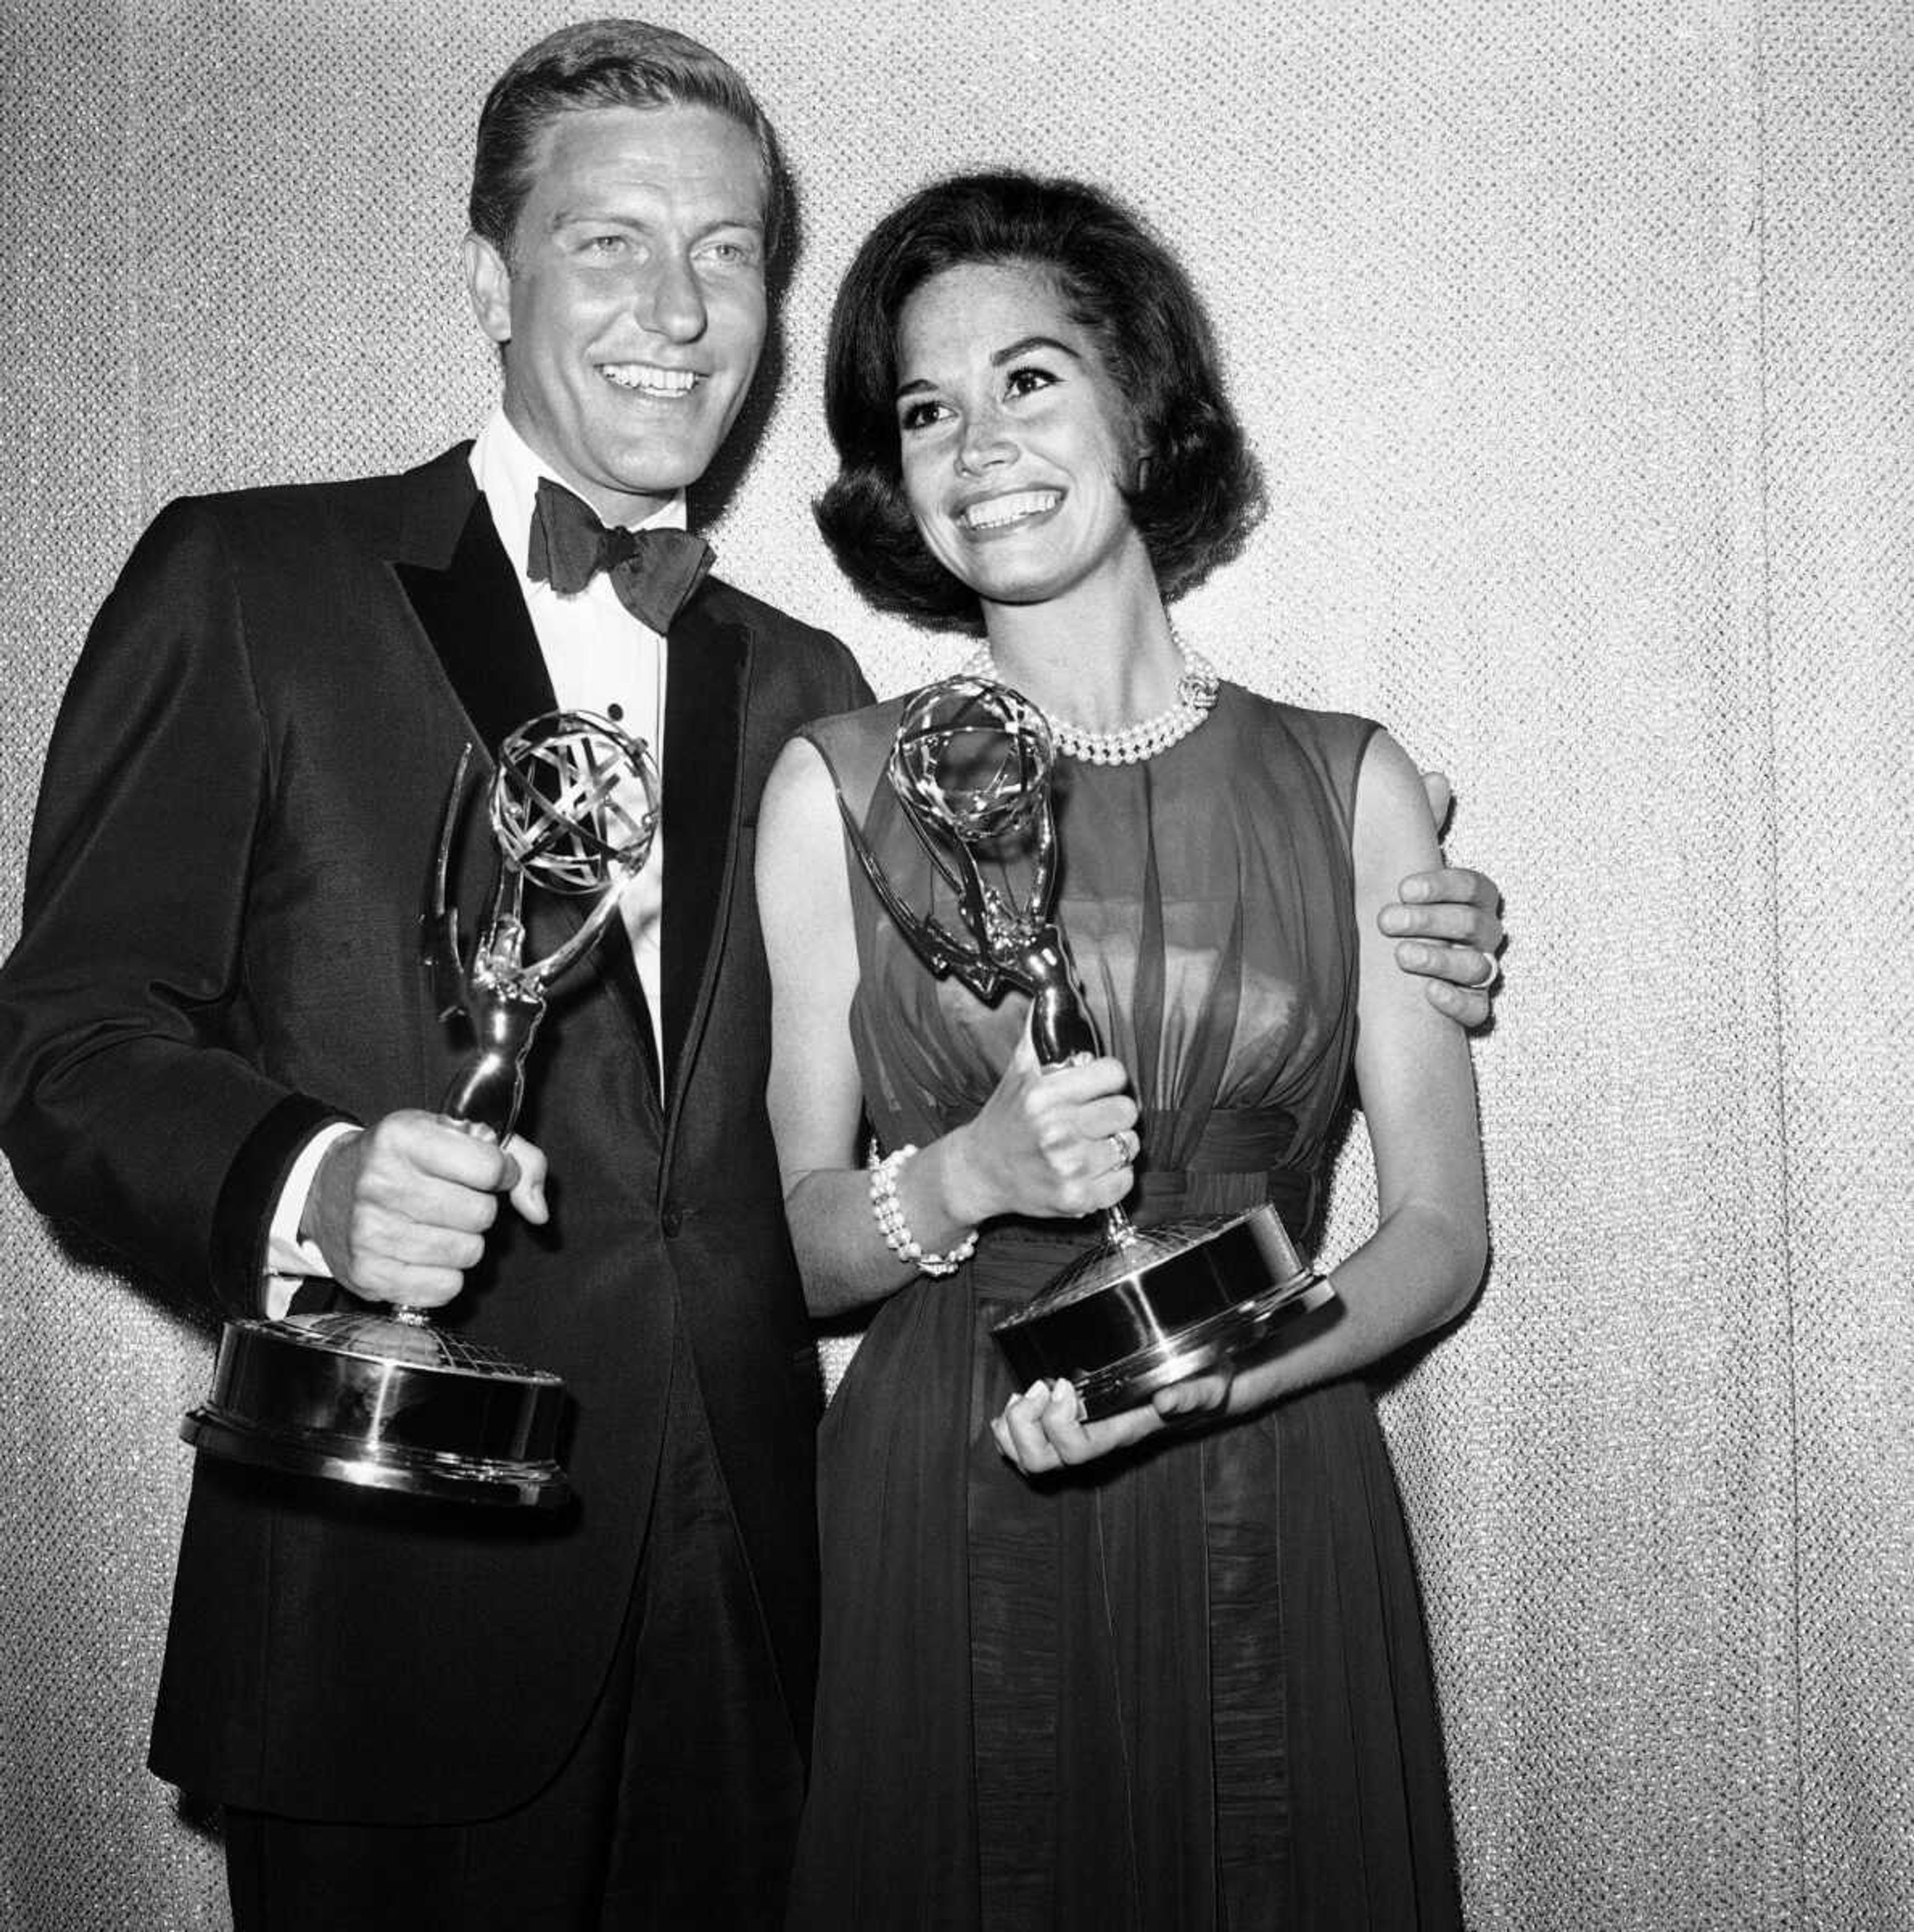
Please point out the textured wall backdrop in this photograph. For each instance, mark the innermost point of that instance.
(1578, 339)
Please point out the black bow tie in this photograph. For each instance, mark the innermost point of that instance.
(653, 571)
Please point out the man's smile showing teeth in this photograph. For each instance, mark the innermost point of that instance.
(649, 380)
(998, 511)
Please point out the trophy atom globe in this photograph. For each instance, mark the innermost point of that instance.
(384, 1399)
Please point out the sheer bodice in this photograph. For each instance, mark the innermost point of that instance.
(1206, 896)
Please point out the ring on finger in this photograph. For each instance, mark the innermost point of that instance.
(1120, 1146)
(1488, 978)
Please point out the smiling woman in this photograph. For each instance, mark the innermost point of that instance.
(1071, 265)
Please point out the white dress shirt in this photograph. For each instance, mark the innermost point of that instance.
(600, 658)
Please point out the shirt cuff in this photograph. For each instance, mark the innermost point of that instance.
(288, 1260)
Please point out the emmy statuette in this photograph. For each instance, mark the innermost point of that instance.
(971, 765)
(381, 1397)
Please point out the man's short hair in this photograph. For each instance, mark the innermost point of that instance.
(1196, 493)
(604, 63)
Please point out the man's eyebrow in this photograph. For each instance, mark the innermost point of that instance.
(755, 222)
(569, 217)
(627, 218)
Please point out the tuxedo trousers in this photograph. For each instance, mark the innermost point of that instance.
(678, 1807)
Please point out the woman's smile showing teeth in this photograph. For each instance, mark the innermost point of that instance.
(647, 378)
(994, 512)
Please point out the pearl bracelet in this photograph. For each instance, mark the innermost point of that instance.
(889, 1211)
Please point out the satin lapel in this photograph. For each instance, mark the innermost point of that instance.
(473, 611)
(709, 667)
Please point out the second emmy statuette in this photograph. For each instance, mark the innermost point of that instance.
(971, 765)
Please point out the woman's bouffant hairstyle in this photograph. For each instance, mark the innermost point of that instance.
(1196, 494)
(604, 63)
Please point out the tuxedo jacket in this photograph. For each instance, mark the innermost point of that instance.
(220, 951)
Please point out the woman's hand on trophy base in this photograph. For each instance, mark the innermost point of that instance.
(1043, 1430)
(400, 1210)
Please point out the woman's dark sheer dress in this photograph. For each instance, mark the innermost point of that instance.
(1186, 1687)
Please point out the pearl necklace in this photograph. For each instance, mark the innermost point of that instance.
(1196, 687)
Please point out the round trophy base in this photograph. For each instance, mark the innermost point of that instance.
(384, 1404)
(1158, 1305)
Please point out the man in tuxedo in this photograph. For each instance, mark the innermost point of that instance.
(217, 1051)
